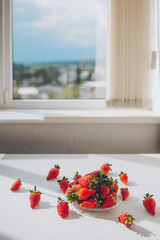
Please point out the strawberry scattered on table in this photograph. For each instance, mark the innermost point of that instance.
(16, 185)
(62, 208)
(123, 177)
(149, 203)
(63, 183)
(34, 197)
(53, 173)
(126, 219)
(125, 193)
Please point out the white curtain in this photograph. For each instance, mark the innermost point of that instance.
(132, 53)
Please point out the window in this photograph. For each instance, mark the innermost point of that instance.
(79, 54)
(57, 50)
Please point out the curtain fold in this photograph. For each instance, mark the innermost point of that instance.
(132, 53)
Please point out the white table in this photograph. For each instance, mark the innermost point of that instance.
(19, 222)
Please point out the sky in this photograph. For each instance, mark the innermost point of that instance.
(51, 30)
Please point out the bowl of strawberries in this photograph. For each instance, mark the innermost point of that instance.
(95, 191)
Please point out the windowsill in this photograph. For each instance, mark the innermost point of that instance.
(80, 116)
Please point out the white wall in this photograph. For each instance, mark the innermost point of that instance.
(79, 138)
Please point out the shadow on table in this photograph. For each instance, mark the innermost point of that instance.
(74, 215)
(31, 178)
(44, 205)
(133, 206)
(22, 190)
(3, 237)
(141, 231)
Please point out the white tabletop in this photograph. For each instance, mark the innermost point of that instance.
(19, 222)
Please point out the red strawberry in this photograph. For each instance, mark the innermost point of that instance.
(91, 203)
(108, 202)
(149, 203)
(85, 193)
(84, 181)
(114, 194)
(77, 176)
(16, 185)
(104, 191)
(69, 191)
(124, 178)
(53, 173)
(125, 193)
(72, 183)
(93, 174)
(76, 187)
(126, 219)
(115, 185)
(34, 197)
(62, 208)
(105, 168)
(63, 184)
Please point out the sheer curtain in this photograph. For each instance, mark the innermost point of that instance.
(132, 53)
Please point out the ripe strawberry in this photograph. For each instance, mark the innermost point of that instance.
(16, 185)
(124, 178)
(126, 219)
(62, 208)
(104, 191)
(115, 185)
(108, 202)
(125, 193)
(72, 183)
(105, 168)
(91, 203)
(85, 193)
(113, 194)
(84, 181)
(34, 197)
(76, 187)
(77, 176)
(149, 203)
(69, 191)
(53, 173)
(63, 184)
(93, 174)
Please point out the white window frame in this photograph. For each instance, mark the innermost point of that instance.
(6, 86)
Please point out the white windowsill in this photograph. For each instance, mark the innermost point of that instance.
(79, 116)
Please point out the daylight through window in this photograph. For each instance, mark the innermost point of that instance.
(59, 49)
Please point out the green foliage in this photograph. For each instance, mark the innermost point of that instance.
(70, 92)
(15, 93)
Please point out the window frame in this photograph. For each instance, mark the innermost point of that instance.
(6, 79)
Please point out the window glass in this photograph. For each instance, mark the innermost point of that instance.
(59, 49)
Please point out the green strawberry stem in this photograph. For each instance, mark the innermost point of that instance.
(19, 180)
(148, 195)
(61, 200)
(75, 175)
(34, 191)
(129, 219)
(57, 166)
(64, 178)
(122, 173)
